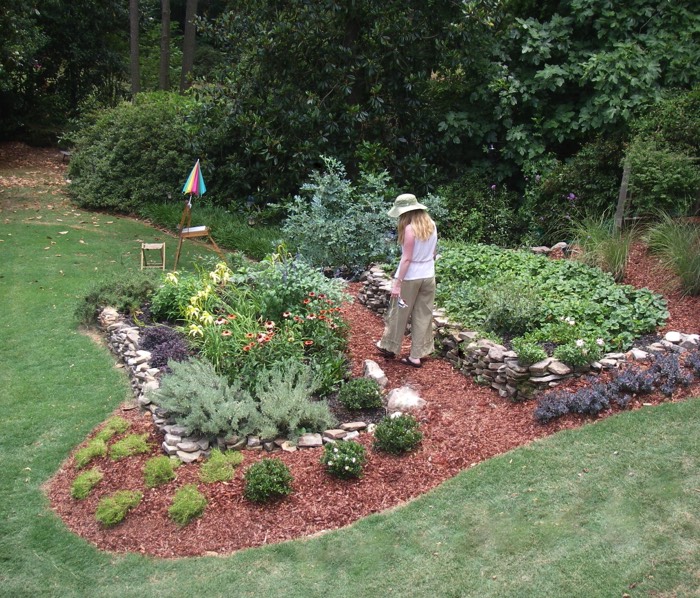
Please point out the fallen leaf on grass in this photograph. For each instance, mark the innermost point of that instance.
(63, 232)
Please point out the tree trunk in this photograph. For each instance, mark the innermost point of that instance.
(164, 71)
(134, 46)
(188, 44)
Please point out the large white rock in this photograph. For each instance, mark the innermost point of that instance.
(404, 398)
(374, 372)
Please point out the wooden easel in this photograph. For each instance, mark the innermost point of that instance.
(187, 231)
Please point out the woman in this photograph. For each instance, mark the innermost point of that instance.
(413, 290)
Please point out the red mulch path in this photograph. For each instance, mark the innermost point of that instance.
(462, 424)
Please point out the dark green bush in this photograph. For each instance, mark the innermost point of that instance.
(397, 435)
(360, 393)
(188, 504)
(112, 509)
(344, 459)
(136, 152)
(266, 480)
(126, 292)
(479, 211)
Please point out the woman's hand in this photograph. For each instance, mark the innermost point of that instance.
(396, 288)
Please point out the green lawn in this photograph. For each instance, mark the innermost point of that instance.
(608, 509)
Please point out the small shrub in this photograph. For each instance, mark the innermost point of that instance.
(159, 470)
(361, 393)
(344, 459)
(95, 448)
(112, 509)
(397, 435)
(510, 305)
(188, 504)
(267, 480)
(579, 353)
(220, 467)
(134, 444)
(528, 352)
(113, 426)
(85, 482)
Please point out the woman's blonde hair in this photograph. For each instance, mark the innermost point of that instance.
(423, 225)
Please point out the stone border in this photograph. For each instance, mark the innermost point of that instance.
(494, 365)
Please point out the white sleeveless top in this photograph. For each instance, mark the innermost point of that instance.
(423, 262)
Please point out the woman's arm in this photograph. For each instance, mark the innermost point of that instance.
(406, 257)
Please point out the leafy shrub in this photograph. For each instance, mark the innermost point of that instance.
(266, 480)
(339, 226)
(397, 435)
(360, 393)
(220, 466)
(126, 292)
(165, 344)
(159, 470)
(344, 459)
(112, 509)
(510, 305)
(479, 211)
(661, 178)
(188, 504)
(134, 444)
(284, 406)
(85, 482)
(528, 352)
(114, 425)
(202, 401)
(93, 449)
(139, 141)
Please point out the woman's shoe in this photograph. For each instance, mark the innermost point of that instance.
(413, 364)
(385, 352)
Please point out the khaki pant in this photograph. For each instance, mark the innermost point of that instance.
(419, 296)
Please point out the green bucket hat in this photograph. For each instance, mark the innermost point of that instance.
(405, 203)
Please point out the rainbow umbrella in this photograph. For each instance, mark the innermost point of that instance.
(195, 182)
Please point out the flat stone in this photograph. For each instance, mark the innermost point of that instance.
(269, 446)
(187, 446)
(496, 353)
(169, 449)
(540, 367)
(288, 447)
(172, 439)
(673, 337)
(352, 435)
(335, 434)
(559, 368)
(609, 363)
(352, 426)
(544, 379)
(374, 372)
(202, 443)
(187, 457)
(635, 354)
(310, 441)
(253, 442)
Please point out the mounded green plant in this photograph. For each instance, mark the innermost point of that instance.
(396, 435)
(581, 352)
(511, 305)
(159, 470)
(93, 449)
(113, 426)
(267, 480)
(134, 444)
(220, 466)
(204, 402)
(284, 394)
(85, 482)
(360, 393)
(528, 352)
(188, 504)
(112, 509)
(344, 459)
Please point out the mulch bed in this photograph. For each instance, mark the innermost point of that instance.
(463, 424)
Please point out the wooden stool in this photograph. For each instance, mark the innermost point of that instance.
(152, 247)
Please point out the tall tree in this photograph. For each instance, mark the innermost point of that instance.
(164, 70)
(188, 46)
(134, 46)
